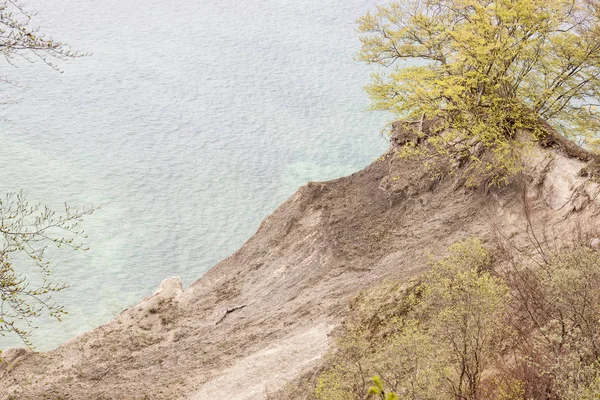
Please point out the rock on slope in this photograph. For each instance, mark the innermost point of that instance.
(264, 315)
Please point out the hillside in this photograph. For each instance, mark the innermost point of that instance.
(266, 314)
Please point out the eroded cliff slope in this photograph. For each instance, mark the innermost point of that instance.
(264, 315)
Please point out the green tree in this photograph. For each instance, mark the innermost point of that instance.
(485, 70)
(530, 330)
(26, 230)
(440, 348)
(466, 307)
(348, 376)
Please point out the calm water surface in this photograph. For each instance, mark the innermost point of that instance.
(190, 123)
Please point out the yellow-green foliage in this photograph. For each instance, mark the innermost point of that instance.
(464, 308)
(487, 69)
(407, 360)
(378, 390)
(347, 380)
(439, 348)
(466, 333)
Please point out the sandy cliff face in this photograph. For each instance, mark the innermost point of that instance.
(265, 314)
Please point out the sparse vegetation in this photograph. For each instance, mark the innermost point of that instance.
(485, 323)
(26, 230)
(20, 39)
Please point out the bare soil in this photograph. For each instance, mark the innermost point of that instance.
(265, 314)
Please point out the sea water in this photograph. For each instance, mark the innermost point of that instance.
(189, 122)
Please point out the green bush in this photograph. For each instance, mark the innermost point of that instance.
(466, 332)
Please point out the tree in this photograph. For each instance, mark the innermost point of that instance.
(26, 230)
(511, 323)
(440, 347)
(18, 39)
(486, 70)
(25, 233)
(466, 305)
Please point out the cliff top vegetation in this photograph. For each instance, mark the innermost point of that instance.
(487, 70)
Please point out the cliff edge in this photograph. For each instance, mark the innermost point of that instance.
(265, 314)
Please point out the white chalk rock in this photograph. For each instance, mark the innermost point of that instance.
(170, 287)
(595, 243)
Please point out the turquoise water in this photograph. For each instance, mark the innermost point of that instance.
(190, 122)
